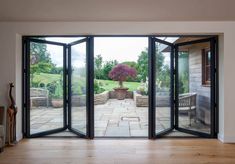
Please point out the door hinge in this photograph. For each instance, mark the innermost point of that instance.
(66, 71)
(215, 105)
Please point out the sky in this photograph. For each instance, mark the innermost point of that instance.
(120, 48)
(110, 48)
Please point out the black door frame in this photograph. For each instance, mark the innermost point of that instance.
(90, 96)
(213, 41)
(70, 127)
(26, 87)
(152, 87)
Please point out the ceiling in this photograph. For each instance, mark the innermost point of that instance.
(117, 10)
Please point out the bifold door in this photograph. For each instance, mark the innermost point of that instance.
(163, 86)
(59, 78)
(44, 87)
(56, 86)
(183, 87)
(195, 106)
(77, 87)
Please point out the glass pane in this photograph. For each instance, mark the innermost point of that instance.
(78, 87)
(46, 87)
(122, 114)
(194, 97)
(163, 92)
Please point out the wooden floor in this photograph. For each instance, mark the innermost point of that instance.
(118, 151)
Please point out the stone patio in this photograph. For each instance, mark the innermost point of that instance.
(115, 118)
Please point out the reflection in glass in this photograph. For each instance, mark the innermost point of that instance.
(46, 87)
(163, 82)
(194, 87)
(78, 87)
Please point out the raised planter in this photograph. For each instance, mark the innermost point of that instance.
(57, 103)
(80, 100)
(142, 100)
(101, 98)
(112, 95)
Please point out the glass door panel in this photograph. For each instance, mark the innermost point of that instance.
(46, 83)
(78, 87)
(194, 98)
(163, 87)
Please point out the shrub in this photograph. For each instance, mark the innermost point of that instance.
(58, 91)
(97, 87)
(143, 88)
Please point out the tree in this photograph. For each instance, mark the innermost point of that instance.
(130, 64)
(38, 52)
(40, 61)
(164, 76)
(107, 68)
(142, 63)
(98, 66)
(183, 72)
(121, 72)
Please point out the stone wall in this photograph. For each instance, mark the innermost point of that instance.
(80, 100)
(142, 100)
(101, 98)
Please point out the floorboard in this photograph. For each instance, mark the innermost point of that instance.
(118, 151)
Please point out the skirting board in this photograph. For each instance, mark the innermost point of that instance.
(226, 139)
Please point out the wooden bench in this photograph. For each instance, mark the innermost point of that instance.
(39, 94)
(187, 104)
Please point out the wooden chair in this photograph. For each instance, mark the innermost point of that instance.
(187, 104)
(2, 128)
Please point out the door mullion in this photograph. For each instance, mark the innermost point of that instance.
(90, 87)
(151, 87)
(176, 113)
(172, 63)
(213, 83)
(65, 71)
(69, 87)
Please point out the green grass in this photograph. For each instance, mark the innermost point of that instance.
(46, 78)
(108, 85)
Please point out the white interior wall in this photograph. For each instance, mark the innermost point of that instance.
(11, 54)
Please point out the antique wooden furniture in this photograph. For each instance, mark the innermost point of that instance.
(187, 104)
(2, 127)
(38, 94)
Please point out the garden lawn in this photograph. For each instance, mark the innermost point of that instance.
(46, 78)
(108, 85)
